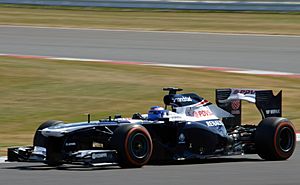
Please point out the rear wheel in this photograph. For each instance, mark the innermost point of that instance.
(133, 144)
(275, 138)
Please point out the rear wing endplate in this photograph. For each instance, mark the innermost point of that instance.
(230, 99)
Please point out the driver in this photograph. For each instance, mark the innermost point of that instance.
(156, 112)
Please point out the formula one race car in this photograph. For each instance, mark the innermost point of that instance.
(188, 127)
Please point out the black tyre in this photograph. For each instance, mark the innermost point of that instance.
(275, 138)
(39, 139)
(52, 155)
(133, 144)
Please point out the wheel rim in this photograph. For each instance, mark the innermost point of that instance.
(139, 146)
(286, 139)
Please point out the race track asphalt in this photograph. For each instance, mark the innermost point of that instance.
(278, 53)
(240, 170)
(273, 53)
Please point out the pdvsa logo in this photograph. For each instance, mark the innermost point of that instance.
(243, 91)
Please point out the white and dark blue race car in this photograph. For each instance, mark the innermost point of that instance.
(187, 127)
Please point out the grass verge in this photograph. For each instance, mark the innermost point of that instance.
(33, 91)
(158, 20)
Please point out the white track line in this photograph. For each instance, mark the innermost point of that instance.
(261, 72)
(231, 70)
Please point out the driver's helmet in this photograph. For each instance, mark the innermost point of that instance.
(156, 112)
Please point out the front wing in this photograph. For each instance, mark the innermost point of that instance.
(86, 157)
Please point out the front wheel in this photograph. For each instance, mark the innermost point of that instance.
(39, 139)
(52, 158)
(275, 138)
(133, 144)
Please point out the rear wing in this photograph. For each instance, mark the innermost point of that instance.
(267, 103)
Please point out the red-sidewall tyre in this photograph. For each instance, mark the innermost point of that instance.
(133, 144)
(275, 138)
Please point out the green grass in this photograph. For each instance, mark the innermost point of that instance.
(111, 18)
(33, 91)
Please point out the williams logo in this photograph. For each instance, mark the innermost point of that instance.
(181, 139)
